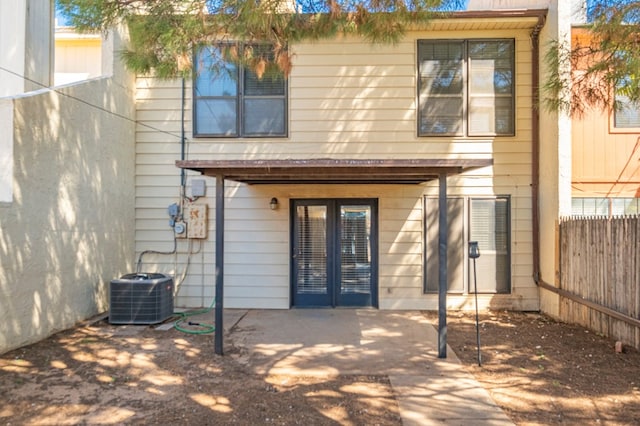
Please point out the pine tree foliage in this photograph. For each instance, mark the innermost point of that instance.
(164, 33)
(604, 61)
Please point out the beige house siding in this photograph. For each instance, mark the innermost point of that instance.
(347, 99)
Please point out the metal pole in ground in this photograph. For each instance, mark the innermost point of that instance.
(474, 253)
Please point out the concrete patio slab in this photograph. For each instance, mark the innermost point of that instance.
(399, 344)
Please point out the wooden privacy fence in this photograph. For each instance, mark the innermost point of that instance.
(600, 264)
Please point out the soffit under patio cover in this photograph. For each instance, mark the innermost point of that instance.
(292, 171)
(499, 19)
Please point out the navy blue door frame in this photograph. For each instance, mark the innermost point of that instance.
(334, 248)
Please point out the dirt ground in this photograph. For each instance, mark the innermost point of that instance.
(544, 372)
(539, 371)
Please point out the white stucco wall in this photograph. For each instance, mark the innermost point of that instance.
(6, 151)
(68, 229)
(26, 46)
(39, 45)
(12, 47)
(555, 159)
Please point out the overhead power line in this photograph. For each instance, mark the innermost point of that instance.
(94, 106)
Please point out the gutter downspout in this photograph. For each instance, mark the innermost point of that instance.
(535, 144)
(183, 178)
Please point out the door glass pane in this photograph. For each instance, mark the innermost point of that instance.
(355, 249)
(312, 249)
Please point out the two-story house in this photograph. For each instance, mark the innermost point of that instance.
(343, 184)
(332, 175)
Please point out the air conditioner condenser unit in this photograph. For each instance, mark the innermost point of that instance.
(141, 298)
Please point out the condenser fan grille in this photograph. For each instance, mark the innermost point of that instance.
(140, 299)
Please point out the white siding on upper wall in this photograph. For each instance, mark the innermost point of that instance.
(77, 57)
(347, 99)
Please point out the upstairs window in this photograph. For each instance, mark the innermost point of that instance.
(466, 87)
(233, 100)
(626, 115)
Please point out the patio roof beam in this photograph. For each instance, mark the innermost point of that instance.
(328, 171)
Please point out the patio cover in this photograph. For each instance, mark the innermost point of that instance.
(323, 170)
(334, 171)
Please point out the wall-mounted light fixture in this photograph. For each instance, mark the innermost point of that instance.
(273, 204)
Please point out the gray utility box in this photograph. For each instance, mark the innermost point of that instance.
(140, 299)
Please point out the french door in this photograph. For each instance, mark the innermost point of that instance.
(334, 252)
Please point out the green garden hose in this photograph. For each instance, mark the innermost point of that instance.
(204, 328)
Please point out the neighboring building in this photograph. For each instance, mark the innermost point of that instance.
(606, 158)
(77, 56)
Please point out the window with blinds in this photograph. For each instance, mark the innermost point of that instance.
(441, 87)
(488, 222)
(627, 113)
(466, 87)
(232, 100)
(489, 225)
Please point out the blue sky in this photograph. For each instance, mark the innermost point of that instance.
(64, 21)
(61, 19)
